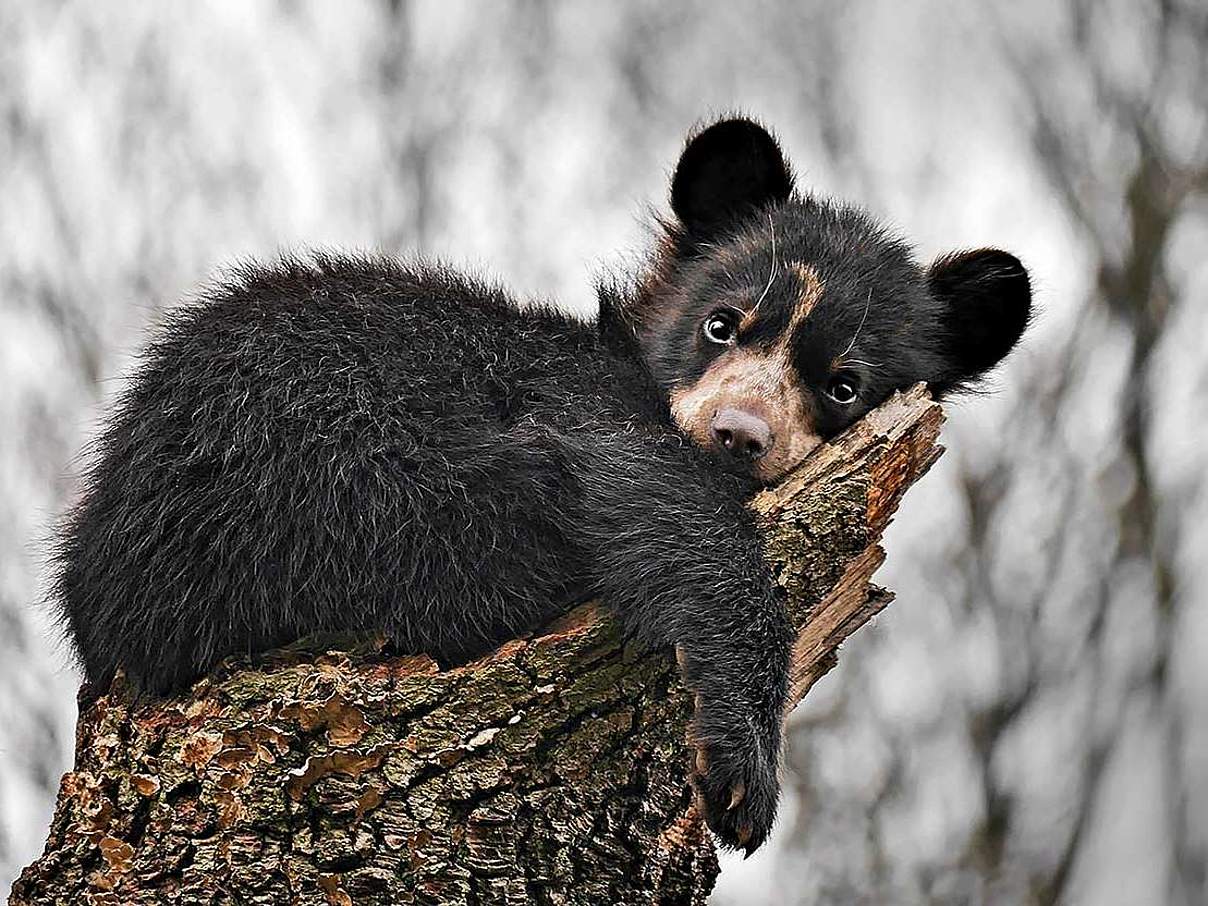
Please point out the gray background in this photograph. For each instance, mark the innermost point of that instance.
(1029, 722)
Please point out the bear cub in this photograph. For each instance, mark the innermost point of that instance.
(354, 443)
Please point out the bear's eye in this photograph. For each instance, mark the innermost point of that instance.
(843, 389)
(719, 328)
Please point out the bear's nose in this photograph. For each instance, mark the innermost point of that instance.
(741, 434)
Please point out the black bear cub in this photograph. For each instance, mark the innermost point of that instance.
(355, 443)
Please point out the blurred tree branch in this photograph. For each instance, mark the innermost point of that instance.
(1134, 288)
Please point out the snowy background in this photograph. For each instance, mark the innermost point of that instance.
(1029, 722)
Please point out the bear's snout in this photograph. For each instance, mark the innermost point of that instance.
(743, 435)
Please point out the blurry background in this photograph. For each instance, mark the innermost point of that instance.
(1029, 722)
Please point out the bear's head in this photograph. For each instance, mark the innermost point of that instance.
(772, 320)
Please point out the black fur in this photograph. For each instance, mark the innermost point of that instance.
(986, 296)
(726, 173)
(350, 443)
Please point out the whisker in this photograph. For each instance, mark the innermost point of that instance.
(864, 317)
(772, 273)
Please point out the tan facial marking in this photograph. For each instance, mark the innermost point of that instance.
(808, 295)
(809, 292)
(748, 319)
(762, 382)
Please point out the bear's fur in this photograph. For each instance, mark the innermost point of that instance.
(353, 443)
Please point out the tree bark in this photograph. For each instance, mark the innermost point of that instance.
(553, 771)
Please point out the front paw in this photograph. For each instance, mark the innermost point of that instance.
(735, 780)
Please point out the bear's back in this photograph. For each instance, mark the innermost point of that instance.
(310, 434)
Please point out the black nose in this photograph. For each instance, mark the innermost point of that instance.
(741, 434)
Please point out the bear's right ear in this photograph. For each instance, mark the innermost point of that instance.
(727, 171)
(985, 301)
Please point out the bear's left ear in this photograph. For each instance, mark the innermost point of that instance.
(726, 172)
(986, 301)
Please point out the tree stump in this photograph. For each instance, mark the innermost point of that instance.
(553, 771)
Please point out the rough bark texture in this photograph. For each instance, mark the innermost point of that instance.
(553, 771)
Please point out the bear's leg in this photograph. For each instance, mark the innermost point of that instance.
(673, 548)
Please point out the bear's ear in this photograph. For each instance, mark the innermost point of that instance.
(985, 303)
(725, 172)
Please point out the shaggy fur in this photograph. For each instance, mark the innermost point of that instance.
(348, 443)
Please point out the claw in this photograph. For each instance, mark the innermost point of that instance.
(681, 657)
(744, 836)
(736, 795)
(702, 762)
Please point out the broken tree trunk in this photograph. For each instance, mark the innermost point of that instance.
(554, 770)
